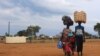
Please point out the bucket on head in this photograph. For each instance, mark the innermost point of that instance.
(80, 16)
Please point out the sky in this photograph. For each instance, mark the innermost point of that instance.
(47, 14)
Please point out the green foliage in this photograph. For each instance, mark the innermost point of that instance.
(6, 34)
(97, 28)
(22, 33)
(31, 30)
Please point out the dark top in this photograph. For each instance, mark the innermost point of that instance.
(79, 30)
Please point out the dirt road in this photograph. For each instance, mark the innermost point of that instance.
(91, 48)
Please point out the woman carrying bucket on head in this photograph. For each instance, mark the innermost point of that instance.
(79, 17)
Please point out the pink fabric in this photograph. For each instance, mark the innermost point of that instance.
(67, 48)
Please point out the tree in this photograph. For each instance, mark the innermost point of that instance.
(87, 34)
(6, 34)
(97, 28)
(22, 33)
(32, 30)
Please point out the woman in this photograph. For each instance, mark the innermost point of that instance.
(66, 39)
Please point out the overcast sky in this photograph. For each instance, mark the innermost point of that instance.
(46, 13)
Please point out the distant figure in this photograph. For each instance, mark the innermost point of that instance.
(68, 38)
(79, 31)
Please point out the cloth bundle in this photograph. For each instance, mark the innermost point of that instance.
(67, 20)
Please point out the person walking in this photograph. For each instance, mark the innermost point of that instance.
(67, 38)
(80, 38)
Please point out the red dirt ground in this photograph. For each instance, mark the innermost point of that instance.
(91, 48)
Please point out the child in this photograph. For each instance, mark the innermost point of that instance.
(79, 31)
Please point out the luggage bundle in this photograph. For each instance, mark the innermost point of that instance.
(67, 20)
(80, 16)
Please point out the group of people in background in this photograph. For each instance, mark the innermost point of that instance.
(72, 41)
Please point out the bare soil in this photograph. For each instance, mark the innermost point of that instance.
(91, 48)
